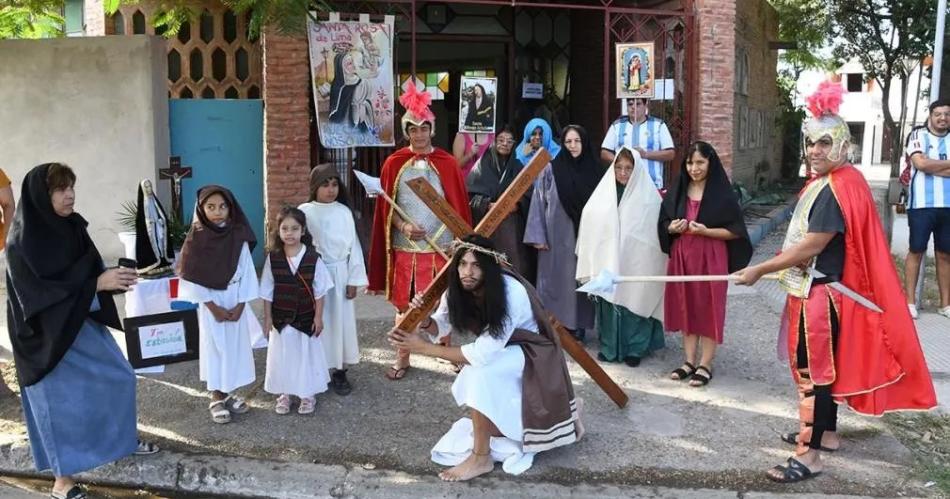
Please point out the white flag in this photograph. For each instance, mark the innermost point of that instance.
(370, 184)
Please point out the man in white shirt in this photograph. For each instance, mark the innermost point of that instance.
(646, 134)
(928, 208)
(515, 350)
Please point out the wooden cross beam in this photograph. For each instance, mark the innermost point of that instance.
(502, 208)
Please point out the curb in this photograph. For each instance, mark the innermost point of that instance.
(759, 229)
(247, 477)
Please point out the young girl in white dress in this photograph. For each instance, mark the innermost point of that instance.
(293, 285)
(218, 273)
(334, 235)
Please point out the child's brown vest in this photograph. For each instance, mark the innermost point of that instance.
(293, 303)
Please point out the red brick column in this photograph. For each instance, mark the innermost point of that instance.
(717, 48)
(286, 121)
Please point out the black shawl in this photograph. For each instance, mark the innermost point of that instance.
(718, 209)
(488, 180)
(576, 178)
(145, 256)
(52, 269)
(210, 254)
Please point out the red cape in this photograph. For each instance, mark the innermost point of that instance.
(453, 185)
(879, 361)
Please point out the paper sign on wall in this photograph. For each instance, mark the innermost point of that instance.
(532, 90)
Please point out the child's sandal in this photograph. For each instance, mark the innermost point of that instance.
(307, 405)
(283, 405)
(219, 412)
(236, 404)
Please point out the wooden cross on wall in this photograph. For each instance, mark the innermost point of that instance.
(175, 173)
(501, 209)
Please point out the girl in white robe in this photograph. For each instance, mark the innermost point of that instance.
(294, 283)
(217, 272)
(331, 224)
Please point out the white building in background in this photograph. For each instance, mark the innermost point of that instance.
(862, 107)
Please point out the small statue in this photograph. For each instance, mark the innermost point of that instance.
(153, 248)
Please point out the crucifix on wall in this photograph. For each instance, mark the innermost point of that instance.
(501, 209)
(175, 173)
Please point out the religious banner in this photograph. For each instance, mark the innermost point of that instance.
(351, 65)
(477, 104)
(636, 70)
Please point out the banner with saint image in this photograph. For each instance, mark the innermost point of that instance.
(351, 65)
(477, 104)
(636, 70)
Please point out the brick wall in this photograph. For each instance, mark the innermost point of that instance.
(758, 144)
(716, 76)
(94, 18)
(286, 121)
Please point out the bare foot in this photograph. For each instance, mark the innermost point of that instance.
(579, 429)
(473, 466)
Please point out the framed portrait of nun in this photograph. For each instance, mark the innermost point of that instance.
(636, 70)
(477, 104)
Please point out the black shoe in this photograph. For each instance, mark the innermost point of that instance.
(339, 383)
(578, 334)
(601, 357)
(632, 361)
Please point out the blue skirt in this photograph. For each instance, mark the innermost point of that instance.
(82, 414)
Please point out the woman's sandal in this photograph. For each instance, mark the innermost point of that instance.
(792, 438)
(680, 374)
(282, 406)
(699, 379)
(397, 373)
(74, 492)
(794, 472)
(143, 448)
(219, 412)
(236, 404)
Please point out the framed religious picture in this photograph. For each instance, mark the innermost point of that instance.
(157, 339)
(477, 100)
(636, 70)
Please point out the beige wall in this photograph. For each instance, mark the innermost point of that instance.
(98, 104)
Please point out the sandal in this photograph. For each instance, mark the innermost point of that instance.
(236, 404)
(792, 438)
(74, 492)
(699, 379)
(680, 374)
(794, 472)
(283, 405)
(397, 373)
(143, 448)
(307, 405)
(219, 412)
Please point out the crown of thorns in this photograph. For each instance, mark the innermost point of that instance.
(499, 257)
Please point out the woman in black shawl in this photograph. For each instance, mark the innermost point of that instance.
(74, 380)
(487, 181)
(702, 228)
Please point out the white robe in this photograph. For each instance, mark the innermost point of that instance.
(623, 239)
(296, 362)
(225, 360)
(491, 384)
(334, 236)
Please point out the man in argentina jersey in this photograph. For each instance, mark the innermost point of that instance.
(647, 134)
(928, 210)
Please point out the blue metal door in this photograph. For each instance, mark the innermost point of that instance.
(223, 142)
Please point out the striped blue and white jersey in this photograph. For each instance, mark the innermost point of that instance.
(927, 190)
(651, 135)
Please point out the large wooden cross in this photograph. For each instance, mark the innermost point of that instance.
(501, 209)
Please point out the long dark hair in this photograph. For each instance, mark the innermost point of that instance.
(275, 244)
(488, 313)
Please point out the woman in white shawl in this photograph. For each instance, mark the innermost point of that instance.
(617, 234)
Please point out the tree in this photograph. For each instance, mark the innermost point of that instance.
(31, 19)
(889, 38)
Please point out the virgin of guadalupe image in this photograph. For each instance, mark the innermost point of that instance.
(350, 94)
(153, 248)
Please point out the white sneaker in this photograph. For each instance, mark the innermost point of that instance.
(913, 311)
(945, 311)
